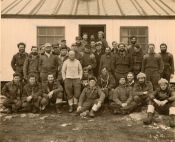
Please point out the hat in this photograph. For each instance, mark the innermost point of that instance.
(121, 44)
(16, 74)
(98, 43)
(78, 38)
(92, 78)
(47, 45)
(63, 40)
(162, 81)
(141, 75)
(100, 32)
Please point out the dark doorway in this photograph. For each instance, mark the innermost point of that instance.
(92, 30)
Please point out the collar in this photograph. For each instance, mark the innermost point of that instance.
(47, 54)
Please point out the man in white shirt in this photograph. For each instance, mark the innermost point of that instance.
(72, 74)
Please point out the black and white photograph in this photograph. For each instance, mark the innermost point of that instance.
(87, 71)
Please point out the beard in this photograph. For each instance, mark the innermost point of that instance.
(34, 53)
(163, 51)
(21, 51)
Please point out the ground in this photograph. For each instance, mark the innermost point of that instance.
(50, 127)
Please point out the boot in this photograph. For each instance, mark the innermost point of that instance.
(91, 113)
(172, 121)
(57, 109)
(149, 119)
(75, 106)
(71, 109)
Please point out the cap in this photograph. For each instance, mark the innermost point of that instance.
(162, 81)
(98, 43)
(47, 45)
(93, 78)
(141, 75)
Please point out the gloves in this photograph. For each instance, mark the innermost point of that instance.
(29, 98)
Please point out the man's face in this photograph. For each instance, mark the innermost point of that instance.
(98, 47)
(16, 79)
(35, 51)
(56, 50)
(107, 51)
(78, 41)
(100, 35)
(133, 40)
(151, 49)
(121, 47)
(21, 48)
(85, 74)
(85, 37)
(114, 44)
(92, 44)
(63, 43)
(63, 52)
(163, 48)
(32, 80)
(87, 50)
(122, 81)
(141, 80)
(163, 86)
(48, 49)
(71, 55)
(42, 50)
(50, 78)
(130, 77)
(92, 83)
(104, 71)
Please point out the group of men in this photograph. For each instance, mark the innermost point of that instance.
(89, 74)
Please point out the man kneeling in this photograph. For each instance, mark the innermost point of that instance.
(162, 100)
(91, 98)
(52, 94)
(122, 101)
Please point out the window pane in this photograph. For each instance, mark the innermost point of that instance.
(124, 32)
(132, 31)
(124, 40)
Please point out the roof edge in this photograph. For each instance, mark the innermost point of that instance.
(170, 17)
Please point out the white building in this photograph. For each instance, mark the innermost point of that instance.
(38, 21)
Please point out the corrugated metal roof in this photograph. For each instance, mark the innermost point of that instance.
(119, 8)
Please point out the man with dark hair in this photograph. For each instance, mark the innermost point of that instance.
(48, 63)
(32, 95)
(18, 59)
(137, 58)
(13, 91)
(168, 61)
(88, 60)
(106, 61)
(79, 45)
(84, 40)
(152, 66)
(63, 44)
(31, 64)
(122, 62)
(130, 79)
(52, 94)
(114, 47)
(55, 49)
(93, 47)
(133, 41)
(90, 99)
(103, 41)
(163, 101)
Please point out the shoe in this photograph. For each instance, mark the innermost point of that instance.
(149, 119)
(91, 113)
(71, 109)
(57, 110)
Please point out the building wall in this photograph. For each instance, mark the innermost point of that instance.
(25, 30)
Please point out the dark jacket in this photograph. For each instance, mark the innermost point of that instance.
(107, 82)
(88, 60)
(152, 62)
(139, 89)
(122, 63)
(12, 91)
(104, 44)
(48, 64)
(98, 58)
(32, 90)
(162, 95)
(90, 94)
(56, 87)
(31, 65)
(168, 62)
(106, 62)
(122, 94)
(18, 62)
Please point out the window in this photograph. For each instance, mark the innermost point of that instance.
(140, 32)
(49, 34)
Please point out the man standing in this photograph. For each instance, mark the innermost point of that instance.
(168, 61)
(18, 59)
(13, 91)
(52, 94)
(106, 61)
(103, 40)
(48, 63)
(88, 60)
(133, 41)
(122, 62)
(152, 66)
(79, 45)
(93, 47)
(72, 74)
(31, 64)
(85, 39)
